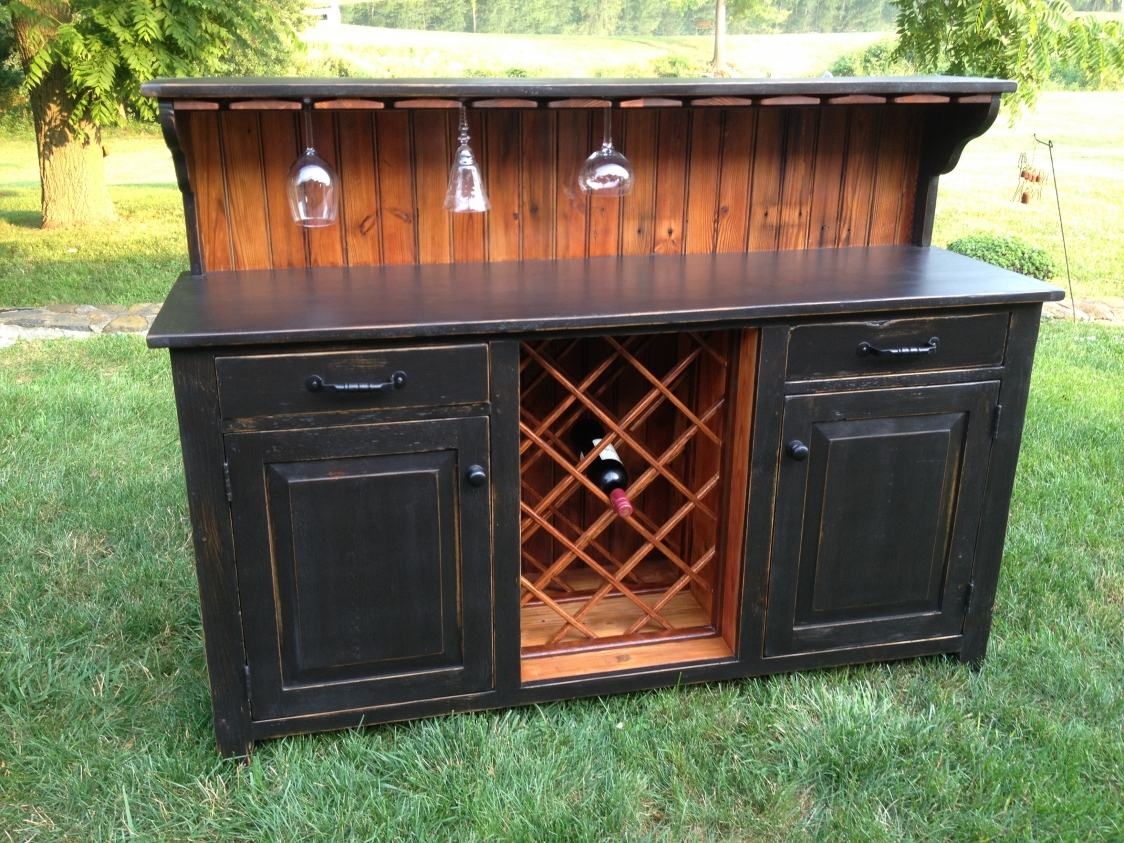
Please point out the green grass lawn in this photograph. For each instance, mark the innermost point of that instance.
(106, 731)
(371, 51)
(132, 260)
(1087, 129)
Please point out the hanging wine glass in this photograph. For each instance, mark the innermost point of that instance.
(313, 184)
(465, 193)
(606, 172)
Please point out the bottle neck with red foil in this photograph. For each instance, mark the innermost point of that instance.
(621, 504)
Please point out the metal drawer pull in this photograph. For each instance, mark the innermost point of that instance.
(315, 383)
(905, 351)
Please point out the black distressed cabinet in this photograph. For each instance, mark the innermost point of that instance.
(878, 504)
(364, 562)
(820, 414)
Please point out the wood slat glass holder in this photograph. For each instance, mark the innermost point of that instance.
(503, 103)
(856, 99)
(579, 103)
(427, 103)
(350, 105)
(651, 102)
(722, 102)
(794, 99)
(195, 105)
(264, 105)
(920, 99)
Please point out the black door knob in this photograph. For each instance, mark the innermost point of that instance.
(476, 475)
(797, 450)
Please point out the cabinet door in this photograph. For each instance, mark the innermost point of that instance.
(363, 564)
(875, 523)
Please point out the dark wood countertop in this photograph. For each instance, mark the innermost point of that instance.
(522, 298)
(537, 89)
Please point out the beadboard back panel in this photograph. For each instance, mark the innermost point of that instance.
(707, 179)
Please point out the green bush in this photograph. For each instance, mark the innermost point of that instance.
(1008, 253)
(671, 67)
(876, 60)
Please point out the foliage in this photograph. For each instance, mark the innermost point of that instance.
(11, 76)
(621, 17)
(879, 59)
(1022, 40)
(1006, 252)
(569, 17)
(837, 15)
(106, 48)
(670, 67)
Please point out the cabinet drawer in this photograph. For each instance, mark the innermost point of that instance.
(278, 384)
(896, 345)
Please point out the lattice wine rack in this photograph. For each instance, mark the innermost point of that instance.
(601, 592)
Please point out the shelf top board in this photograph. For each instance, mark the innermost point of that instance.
(235, 88)
(522, 298)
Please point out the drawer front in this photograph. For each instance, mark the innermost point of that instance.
(280, 384)
(896, 345)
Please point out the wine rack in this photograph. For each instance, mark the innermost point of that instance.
(598, 591)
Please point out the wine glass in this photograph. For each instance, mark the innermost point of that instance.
(465, 193)
(606, 172)
(313, 184)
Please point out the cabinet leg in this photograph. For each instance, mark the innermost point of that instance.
(973, 657)
(234, 743)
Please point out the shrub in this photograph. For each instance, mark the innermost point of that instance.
(876, 60)
(670, 67)
(1008, 253)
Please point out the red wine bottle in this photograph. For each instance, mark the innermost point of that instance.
(607, 471)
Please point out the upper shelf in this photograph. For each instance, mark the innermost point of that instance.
(520, 298)
(535, 92)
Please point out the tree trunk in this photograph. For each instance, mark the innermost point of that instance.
(718, 63)
(71, 170)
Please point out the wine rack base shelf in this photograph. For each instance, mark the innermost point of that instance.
(743, 420)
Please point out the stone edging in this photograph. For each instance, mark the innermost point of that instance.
(1107, 309)
(74, 321)
(86, 320)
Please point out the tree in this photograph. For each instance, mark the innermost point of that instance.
(1012, 39)
(718, 63)
(750, 15)
(84, 61)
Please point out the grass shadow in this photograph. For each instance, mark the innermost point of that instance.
(23, 219)
(146, 275)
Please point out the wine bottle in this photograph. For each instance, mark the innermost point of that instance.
(607, 471)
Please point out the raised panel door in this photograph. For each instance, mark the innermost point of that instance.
(363, 564)
(879, 497)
